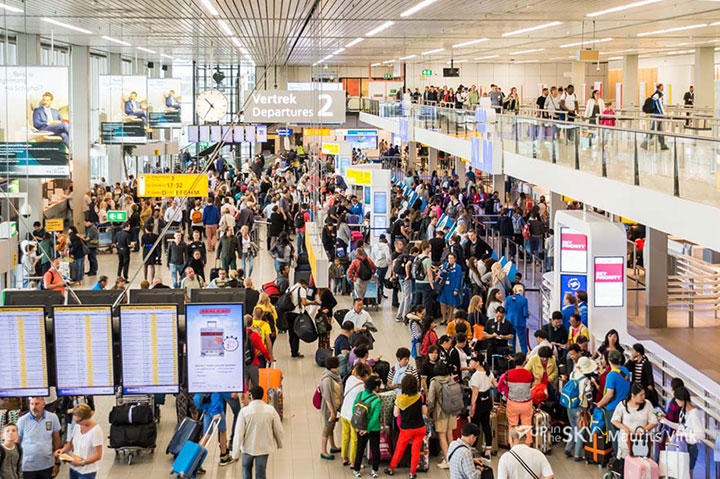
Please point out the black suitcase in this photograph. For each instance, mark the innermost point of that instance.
(133, 435)
(189, 430)
(302, 274)
(131, 414)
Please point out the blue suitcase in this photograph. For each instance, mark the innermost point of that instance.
(192, 455)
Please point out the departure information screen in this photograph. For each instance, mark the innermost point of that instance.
(23, 369)
(149, 345)
(83, 350)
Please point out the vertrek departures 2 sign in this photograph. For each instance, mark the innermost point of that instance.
(282, 106)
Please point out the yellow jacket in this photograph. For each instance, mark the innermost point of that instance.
(269, 308)
(534, 365)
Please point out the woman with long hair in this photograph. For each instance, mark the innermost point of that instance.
(494, 301)
(634, 415)
(476, 284)
(610, 343)
(496, 278)
(481, 382)
(247, 248)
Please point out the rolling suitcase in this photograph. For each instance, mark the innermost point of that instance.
(189, 430)
(502, 425)
(598, 450)
(494, 429)
(542, 432)
(640, 468)
(271, 381)
(193, 454)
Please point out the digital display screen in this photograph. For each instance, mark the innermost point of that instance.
(117, 132)
(366, 194)
(261, 133)
(380, 202)
(83, 350)
(193, 133)
(23, 370)
(216, 133)
(250, 134)
(204, 133)
(215, 347)
(609, 281)
(239, 134)
(573, 251)
(362, 142)
(227, 134)
(379, 224)
(571, 283)
(149, 346)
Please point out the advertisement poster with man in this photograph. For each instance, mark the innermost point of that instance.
(35, 122)
(164, 109)
(123, 109)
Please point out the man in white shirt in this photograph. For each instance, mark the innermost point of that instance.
(358, 316)
(522, 461)
(382, 258)
(258, 433)
(170, 214)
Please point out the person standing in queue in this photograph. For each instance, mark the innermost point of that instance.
(39, 433)
(122, 243)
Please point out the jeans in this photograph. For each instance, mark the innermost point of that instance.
(414, 436)
(575, 441)
(175, 274)
(381, 272)
(337, 285)
(247, 264)
(535, 242)
(611, 428)
(406, 287)
(92, 259)
(79, 269)
(260, 463)
(348, 446)
(300, 242)
(423, 295)
(76, 475)
(279, 264)
(657, 126)
(374, 438)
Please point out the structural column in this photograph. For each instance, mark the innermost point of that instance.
(114, 152)
(556, 204)
(704, 76)
(630, 81)
(80, 128)
(656, 273)
(412, 155)
(498, 184)
(460, 171)
(432, 159)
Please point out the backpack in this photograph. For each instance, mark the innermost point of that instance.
(340, 251)
(285, 302)
(249, 349)
(648, 106)
(452, 398)
(361, 413)
(570, 395)
(299, 220)
(205, 399)
(196, 216)
(268, 318)
(452, 211)
(365, 270)
(418, 269)
(399, 265)
(526, 231)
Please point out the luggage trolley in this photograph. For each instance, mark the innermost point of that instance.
(372, 299)
(129, 453)
(105, 239)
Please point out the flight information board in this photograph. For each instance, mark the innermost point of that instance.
(23, 369)
(83, 350)
(215, 345)
(149, 345)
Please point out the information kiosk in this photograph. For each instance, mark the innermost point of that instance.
(23, 370)
(372, 184)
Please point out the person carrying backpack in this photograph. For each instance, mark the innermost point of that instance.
(301, 217)
(655, 108)
(444, 403)
(360, 273)
(366, 421)
(577, 397)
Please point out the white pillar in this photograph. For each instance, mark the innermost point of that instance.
(630, 81)
(578, 79)
(432, 159)
(115, 170)
(80, 106)
(704, 76)
(656, 274)
(556, 204)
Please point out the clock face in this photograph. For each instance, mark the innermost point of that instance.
(211, 105)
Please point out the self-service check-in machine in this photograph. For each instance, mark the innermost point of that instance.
(373, 184)
(590, 255)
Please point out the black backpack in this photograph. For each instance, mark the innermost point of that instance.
(399, 265)
(299, 220)
(365, 270)
(249, 349)
(648, 106)
(418, 269)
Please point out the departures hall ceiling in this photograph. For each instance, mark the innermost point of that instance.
(304, 32)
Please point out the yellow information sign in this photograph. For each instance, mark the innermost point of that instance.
(54, 225)
(316, 131)
(173, 185)
(331, 148)
(358, 177)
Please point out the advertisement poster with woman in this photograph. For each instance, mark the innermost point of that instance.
(123, 109)
(35, 122)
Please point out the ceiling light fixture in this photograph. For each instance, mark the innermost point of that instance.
(622, 7)
(375, 65)
(620, 51)
(210, 7)
(236, 41)
(66, 25)
(417, 8)
(166, 56)
(522, 52)
(471, 42)
(147, 50)
(11, 9)
(327, 58)
(388, 61)
(586, 42)
(354, 42)
(225, 27)
(430, 52)
(487, 57)
(528, 61)
(115, 40)
(532, 29)
(674, 29)
(339, 50)
(379, 29)
(407, 57)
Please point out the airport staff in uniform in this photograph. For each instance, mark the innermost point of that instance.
(39, 434)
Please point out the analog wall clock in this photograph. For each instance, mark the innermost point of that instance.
(211, 105)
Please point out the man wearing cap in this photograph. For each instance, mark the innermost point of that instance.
(522, 461)
(584, 368)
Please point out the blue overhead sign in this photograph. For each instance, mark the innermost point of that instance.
(284, 131)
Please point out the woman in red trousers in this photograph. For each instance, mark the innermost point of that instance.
(410, 408)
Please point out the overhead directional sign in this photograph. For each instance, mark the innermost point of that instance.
(284, 131)
(118, 216)
(426, 73)
(173, 185)
(283, 106)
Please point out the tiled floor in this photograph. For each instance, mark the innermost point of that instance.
(300, 456)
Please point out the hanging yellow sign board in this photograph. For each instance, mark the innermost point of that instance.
(54, 225)
(173, 185)
(331, 148)
(358, 177)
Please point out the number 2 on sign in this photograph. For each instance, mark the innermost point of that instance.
(325, 110)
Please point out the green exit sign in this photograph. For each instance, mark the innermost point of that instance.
(388, 76)
(117, 216)
(427, 73)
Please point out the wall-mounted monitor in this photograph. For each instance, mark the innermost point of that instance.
(204, 133)
(380, 202)
(23, 369)
(609, 281)
(573, 251)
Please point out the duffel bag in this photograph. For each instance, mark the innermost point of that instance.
(321, 355)
(305, 328)
(133, 435)
(131, 414)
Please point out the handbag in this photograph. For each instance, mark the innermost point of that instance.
(322, 324)
(639, 443)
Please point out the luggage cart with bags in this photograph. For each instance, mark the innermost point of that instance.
(372, 299)
(105, 239)
(133, 430)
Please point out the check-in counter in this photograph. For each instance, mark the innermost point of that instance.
(319, 263)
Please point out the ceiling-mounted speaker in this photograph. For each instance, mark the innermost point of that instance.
(164, 68)
(151, 65)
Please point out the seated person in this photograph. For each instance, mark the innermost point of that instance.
(171, 101)
(133, 107)
(49, 119)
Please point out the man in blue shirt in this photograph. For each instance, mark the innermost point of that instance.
(39, 434)
(617, 387)
(101, 283)
(356, 207)
(582, 299)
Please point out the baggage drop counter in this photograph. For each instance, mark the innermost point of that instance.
(317, 257)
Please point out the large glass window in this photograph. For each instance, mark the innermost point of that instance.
(54, 55)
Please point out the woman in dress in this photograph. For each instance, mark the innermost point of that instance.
(451, 278)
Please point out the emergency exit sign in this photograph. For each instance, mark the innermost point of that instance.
(387, 76)
(117, 216)
(426, 73)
